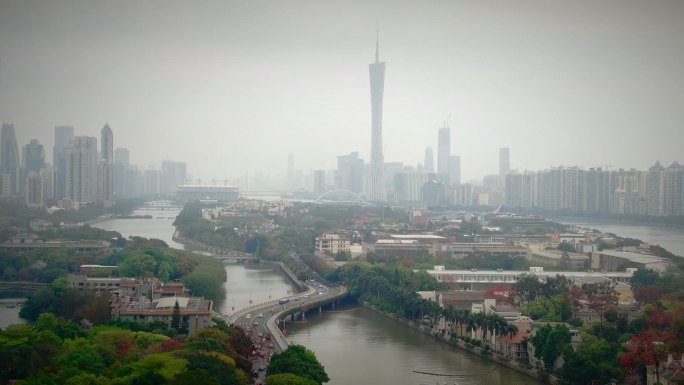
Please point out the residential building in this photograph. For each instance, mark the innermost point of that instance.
(349, 174)
(504, 161)
(33, 156)
(455, 170)
(107, 143)
(443, 150)
(429, 164)
(173, 174)
(9, 161)
(81, 170)
(332, 243)
(64, 137)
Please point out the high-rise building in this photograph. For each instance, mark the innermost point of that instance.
(319, 182)
(291, 183)
(9, 160)
(349, 173)
(39, 187)
(455, 170)
(151, 182)
(429, 164)
(443, 150)
(33, 157)
(81, 170)
(376, 182)
(121, 166)
(121, 156)
(64, 137)
(173, 174)
(107, 143)
(408, 186)
(504, 161)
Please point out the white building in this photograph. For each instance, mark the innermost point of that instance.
(332, 243)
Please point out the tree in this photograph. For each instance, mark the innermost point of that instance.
(601, 297)
(550, 343)
(298, 360)
(176, 317)
(528, 287)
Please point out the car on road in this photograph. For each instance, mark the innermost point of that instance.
(260, 315)
(248, 316)
(256, 323)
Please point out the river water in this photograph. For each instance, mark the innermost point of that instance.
(377, 349)
(669, 237)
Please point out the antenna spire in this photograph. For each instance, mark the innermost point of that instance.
(377, 44)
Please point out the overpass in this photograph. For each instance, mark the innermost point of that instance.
(21, 285)
(218, 252)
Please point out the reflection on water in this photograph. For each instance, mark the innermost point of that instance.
(671, 238)
(255, 283)
(359, 346)
(9, 311)
(160, 226)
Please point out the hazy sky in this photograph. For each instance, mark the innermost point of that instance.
(229, 86)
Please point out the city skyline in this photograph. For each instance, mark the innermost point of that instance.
(558, 84)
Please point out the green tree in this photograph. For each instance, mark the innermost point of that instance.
(300, 361)
(176, 317)
(139, 265)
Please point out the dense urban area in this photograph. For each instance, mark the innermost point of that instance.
(119, 266)
(563, 304)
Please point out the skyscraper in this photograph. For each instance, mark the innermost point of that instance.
(33, 156)
(64, 137)
(81, 170)
(443, 150)
(429, 164)
(173, 174)
(349, 174)
(291, 183)
(107, 143)
(9, 160)
(376, 183)
(455, 170)
(504, 161)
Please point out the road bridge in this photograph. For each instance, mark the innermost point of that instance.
(218, 252)
(20, 285)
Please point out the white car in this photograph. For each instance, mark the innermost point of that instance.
(249, 316)
(260, 315)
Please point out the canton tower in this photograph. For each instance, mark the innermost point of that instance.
(376, 185)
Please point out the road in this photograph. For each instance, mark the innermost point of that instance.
(259, 321)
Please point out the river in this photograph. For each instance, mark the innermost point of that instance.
(380, 350)
(669, 237)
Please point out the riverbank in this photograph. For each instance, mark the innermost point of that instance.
(511, 364)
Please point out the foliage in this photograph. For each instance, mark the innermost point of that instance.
(300, 361)
(110, 355)
(550, 342)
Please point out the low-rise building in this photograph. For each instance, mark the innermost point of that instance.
(195, 313)
(614, 260)
(332, 243)
(565, 260)
(26, 243)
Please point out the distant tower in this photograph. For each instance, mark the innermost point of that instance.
(33, 156)
(504, 161)
(82, 170)
(291, 184)
(376, 185)
(9, 161)
(455, 170)
(443, 149)
(429, 160)
(107, 143)
(64, 137)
